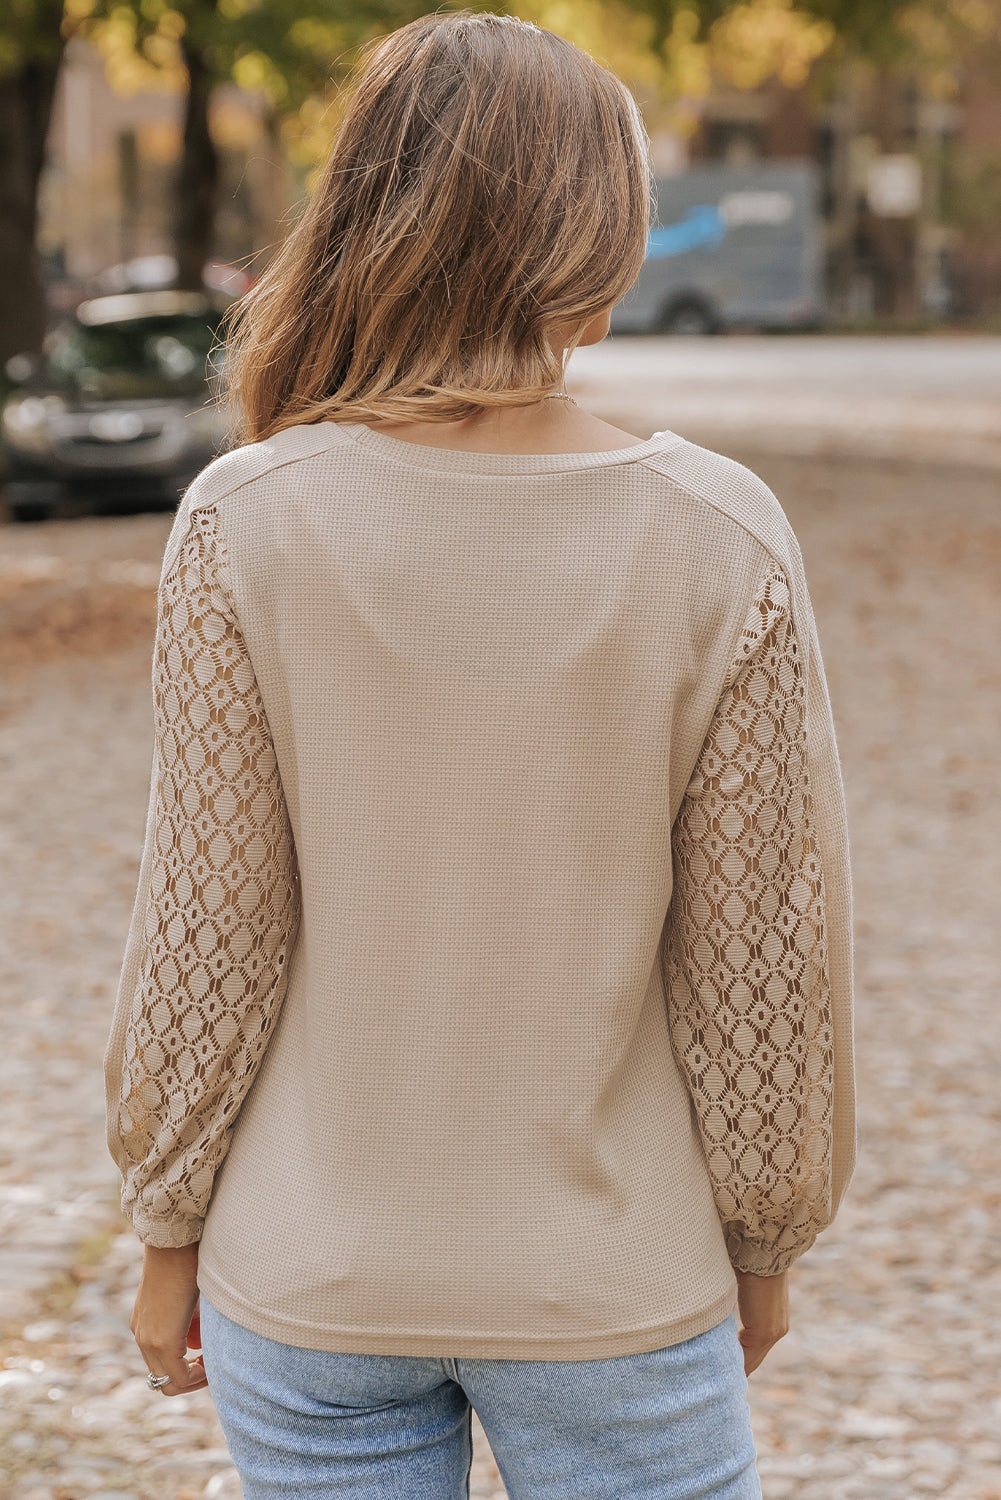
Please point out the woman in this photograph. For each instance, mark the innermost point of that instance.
(484, 1033)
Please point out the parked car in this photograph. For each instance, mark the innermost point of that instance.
(149, 273)
(117, 411)
(733, 247)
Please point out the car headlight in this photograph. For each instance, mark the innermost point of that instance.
(27, 422)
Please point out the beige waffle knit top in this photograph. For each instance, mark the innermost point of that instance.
(488, 991)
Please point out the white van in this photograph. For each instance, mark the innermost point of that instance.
(733, 247)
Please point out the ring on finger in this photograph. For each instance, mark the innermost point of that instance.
(156, 1381)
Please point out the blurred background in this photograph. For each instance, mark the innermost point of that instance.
(824, 166)
(146, 130)
(821, 299)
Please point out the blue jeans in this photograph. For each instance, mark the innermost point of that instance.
(673, 1424)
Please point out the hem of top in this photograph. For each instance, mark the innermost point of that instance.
(457, 460)
(458, 1344)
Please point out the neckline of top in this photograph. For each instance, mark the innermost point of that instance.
(457, 460)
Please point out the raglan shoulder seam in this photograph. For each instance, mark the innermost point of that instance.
(747, 502)
(659, 463)
(269, 467)
(778, 550)
(194, 501)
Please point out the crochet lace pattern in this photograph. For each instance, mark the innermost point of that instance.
(747, 952)
(223, 905)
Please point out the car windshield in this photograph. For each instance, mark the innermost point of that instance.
(153, 356)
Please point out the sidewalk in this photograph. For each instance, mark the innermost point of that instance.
(933, 400)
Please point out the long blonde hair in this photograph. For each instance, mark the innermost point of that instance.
(489, 183)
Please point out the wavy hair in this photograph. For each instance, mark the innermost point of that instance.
(489, 186)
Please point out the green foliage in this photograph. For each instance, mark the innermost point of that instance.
(868, 28)
(298, 45)
(972, 192)
(30, 32)
(664, 14)
(289, 48)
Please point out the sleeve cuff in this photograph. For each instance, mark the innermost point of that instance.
(765, 1260)
(165, 1234)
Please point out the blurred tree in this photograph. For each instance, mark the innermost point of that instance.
(291, 50)
(288, 49)
(864, 26)
(31, 48)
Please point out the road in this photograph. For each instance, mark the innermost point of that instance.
(937, 399)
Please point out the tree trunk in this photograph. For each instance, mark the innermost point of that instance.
(198, 177)
(25, 110)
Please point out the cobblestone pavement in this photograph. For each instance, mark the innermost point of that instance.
(888, 1387)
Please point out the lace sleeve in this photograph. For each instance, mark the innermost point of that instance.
(747, 972)
(216, 911)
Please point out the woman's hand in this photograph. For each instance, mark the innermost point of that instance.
(165, 1321)
(763, 1304)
